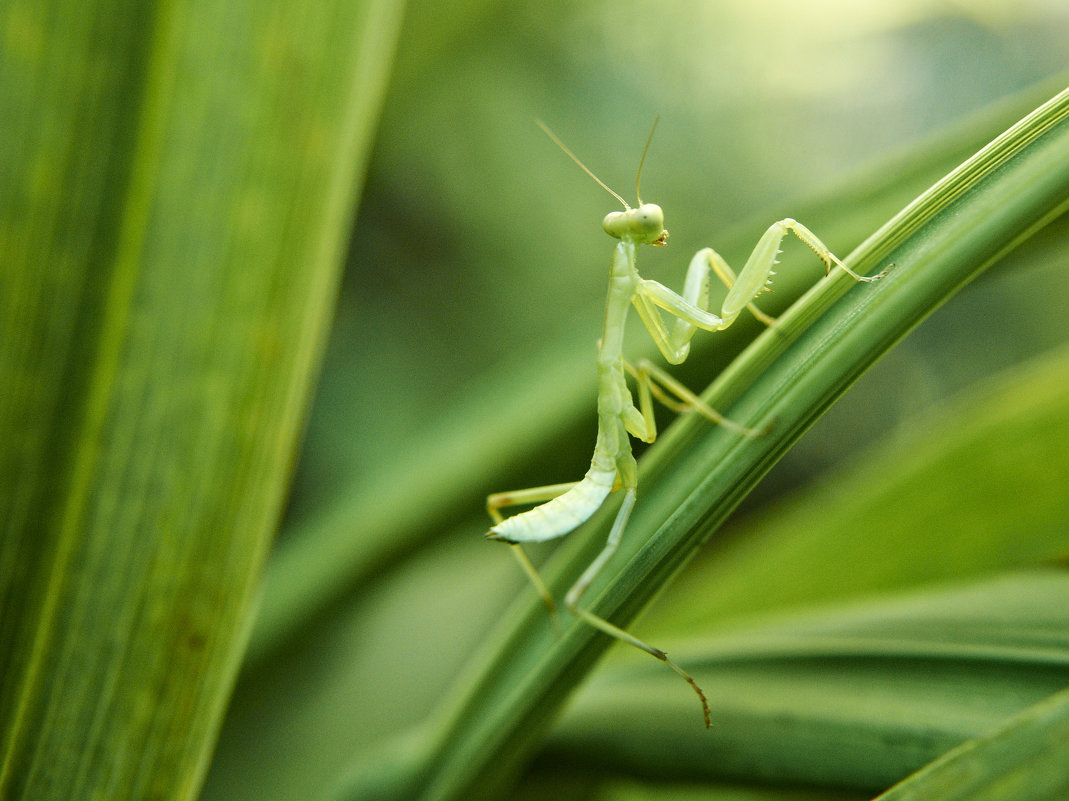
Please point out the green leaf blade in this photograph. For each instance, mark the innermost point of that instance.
(178, 200)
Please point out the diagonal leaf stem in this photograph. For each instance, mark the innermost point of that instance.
(696, 474)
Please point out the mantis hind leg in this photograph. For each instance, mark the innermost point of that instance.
(500, 500)
(575, 594)
(536, 580)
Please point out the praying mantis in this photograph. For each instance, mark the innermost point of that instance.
(564, 507)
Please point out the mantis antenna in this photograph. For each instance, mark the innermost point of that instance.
(642, 161)
(583, 167)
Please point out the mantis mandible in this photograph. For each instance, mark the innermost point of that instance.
(566, 506)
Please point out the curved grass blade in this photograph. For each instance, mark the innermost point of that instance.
(979, 653)
(395, 509)
(987, 471)
(696, 475)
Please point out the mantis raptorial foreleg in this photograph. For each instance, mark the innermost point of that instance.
(727, 276)
(613, 466)
(691, 308)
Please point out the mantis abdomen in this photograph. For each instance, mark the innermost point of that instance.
(562, 514)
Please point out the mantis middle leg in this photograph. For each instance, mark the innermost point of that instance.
(653, 382)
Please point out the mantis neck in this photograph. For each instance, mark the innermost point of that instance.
(623, 278)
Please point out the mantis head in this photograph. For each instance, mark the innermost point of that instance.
(644, 225)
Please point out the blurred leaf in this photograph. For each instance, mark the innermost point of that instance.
(1026, 759)
(847, 697)
(177, 185)
(581, 787)
(695, 475)
(630, 790)
(977, 485)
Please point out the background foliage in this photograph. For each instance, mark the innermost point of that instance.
(459, 363)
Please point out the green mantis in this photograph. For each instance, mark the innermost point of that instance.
(563, 507)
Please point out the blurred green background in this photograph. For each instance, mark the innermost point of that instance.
(461, 357)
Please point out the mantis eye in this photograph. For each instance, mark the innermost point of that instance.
(649, 220)
(614, 225)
